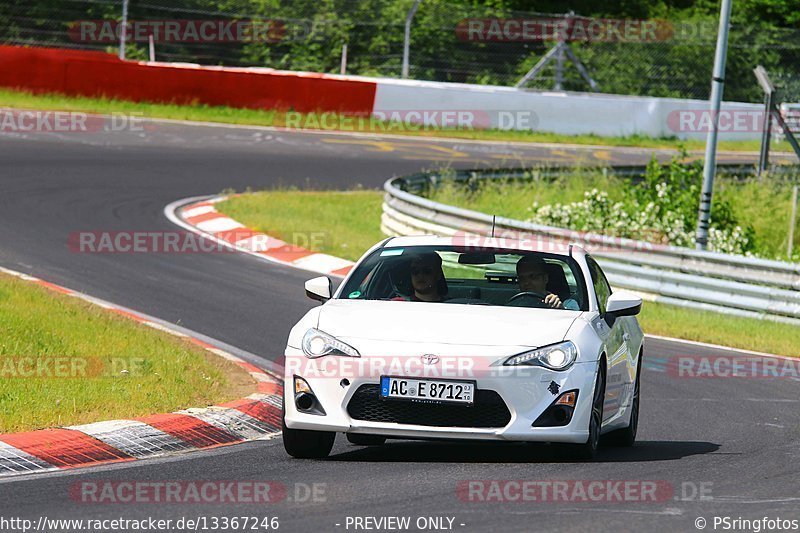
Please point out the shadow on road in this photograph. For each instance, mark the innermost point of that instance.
(466, 452)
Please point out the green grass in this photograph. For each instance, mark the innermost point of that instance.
(737, 332)
(513, 199)
(349, 223)
(333, 122)
(767, 206)
(83, 350)
(340, 223)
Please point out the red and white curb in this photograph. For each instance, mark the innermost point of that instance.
(257, 416)
(199, 215)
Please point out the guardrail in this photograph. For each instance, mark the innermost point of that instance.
(738, 285)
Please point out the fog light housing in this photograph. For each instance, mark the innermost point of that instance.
(560, 412)
(305, 400)
(301, 385)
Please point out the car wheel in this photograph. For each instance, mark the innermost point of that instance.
(626, 437)
(307, 444)
(588, 450)
(365, 440)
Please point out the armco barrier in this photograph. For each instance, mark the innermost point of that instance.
(83, 73)
(568, 113)
(739, 285)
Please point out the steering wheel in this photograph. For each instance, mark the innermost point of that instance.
(537, 296)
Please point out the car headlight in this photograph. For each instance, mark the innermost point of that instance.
(555, 357)
(317, 343)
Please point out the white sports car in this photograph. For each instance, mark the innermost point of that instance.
(454, 338)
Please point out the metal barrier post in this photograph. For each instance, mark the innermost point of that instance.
(123, 34)
(407, 37)
(792, 224)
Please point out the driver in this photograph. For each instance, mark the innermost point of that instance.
(532, 277)
(427, 278)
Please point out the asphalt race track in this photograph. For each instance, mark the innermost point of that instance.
(726, 447)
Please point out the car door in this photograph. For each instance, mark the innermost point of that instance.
(616, 348)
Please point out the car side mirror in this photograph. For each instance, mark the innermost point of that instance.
(622, 303)
(319, 289)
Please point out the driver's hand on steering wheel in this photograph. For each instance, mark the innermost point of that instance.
(552, 300)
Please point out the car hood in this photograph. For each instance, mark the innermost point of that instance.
(443, 323)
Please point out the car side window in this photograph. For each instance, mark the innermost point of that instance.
(601, 287)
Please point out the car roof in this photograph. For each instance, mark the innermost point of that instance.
(533, 244)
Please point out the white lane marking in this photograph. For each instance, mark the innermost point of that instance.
(221, 223)
(719, 347)
(165, 329)
(322, 263)
(259, 243)
(199, 210)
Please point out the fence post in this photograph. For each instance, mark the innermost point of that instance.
(407, 37)
(710, 163)
(123, 34)
(152, 48)
(343, 67)
(792, 224)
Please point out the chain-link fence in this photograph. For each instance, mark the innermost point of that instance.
(449, 41)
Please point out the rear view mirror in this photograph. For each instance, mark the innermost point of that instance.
(319, 289)
(476, 258)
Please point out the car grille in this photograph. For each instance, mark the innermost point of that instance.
(488, 411)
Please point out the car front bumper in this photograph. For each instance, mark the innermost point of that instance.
(526, 391)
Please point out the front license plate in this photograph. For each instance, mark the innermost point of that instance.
(428, 390)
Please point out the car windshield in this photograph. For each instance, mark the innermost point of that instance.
(453, 275)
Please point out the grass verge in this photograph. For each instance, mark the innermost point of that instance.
(64, 361)
(764, 205)
(334, 122)
(348, 222)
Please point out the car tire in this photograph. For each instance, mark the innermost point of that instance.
(365, 440)
(626, 437)
(588, 449)
(307, 444)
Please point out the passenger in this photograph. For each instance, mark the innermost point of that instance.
(532, 277)
(427, 278)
